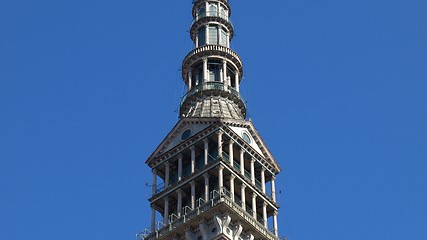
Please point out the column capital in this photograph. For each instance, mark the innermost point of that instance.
(205, 59)
(206, 175)
(179, 191)
(192, 148)
(206, 141)
(180, 156)
(253, 160)
(243, 186)
(254, 195)
(264, 204)
(221, 167)
(154, 171)
(232, 177)
(193, 183)
(275, 212)
(220, 132)
(273, 177)
(167, 164)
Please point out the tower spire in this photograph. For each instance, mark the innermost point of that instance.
(213, 176)
(212, 71)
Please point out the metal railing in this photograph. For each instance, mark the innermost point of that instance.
(211, 86)
(216, 197)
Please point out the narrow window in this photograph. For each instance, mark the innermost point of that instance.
(202, 36)
(223, 38)
(213, 35)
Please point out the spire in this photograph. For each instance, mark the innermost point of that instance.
(212, 71)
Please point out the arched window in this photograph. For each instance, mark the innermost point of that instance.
(213, 10)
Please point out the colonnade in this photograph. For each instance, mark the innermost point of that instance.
(230, 174)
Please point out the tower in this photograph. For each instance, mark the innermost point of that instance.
(213, 176)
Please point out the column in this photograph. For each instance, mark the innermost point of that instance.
(206, 32)
(206, 143)
(230, 150)
(179, 205)
(221, 178)
(232, 186)
(276, 227)
(236, 79)
(206, 175)
(243, 193)
(179, 167)
(197, 40)
(254, 205)
(220, 144)
(190, 78)
(167, 175)
(242, 162)
(205, 69)
(253, 171)
(273, 188)
(263, 179)
(193, 194)
(193, 159)
(153, 218)
(166, 212)
(228, 40)
(224, 72)
(264, 214)
(154, 182)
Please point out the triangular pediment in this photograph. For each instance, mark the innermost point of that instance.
(242, 128)
(183, 130)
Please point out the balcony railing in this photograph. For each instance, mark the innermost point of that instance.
(219, 14)
(211, 86)
(216, 197)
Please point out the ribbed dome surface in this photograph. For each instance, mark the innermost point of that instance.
(214, 106)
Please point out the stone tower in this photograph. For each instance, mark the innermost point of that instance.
(213, 176)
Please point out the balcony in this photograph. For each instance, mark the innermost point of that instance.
(216, 198)
(211, 17)
(213, 86)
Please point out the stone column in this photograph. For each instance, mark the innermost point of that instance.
(179, 167)
(193, 194)
(193, 159)
(242, 162)
(166, 212)
(206, 175)
(153, 218)
(264, 214)
(263, 179)
(221, 178)
(206, 32)
(205, 69)
(154, 187)
(220, 144)
(253, 171)
(167, 175)
(206, 143)
(197, 40)
(230, 150)
(273, 188)
(228, 40)
(179, 205)
(254, 213)
(190, 79)
(232, 186)
(224, 72)
(243, 193)
(276, 226)
(236, 79)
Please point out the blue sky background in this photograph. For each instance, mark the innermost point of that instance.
(336, 88)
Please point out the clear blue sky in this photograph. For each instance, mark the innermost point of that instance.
(337, 89)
